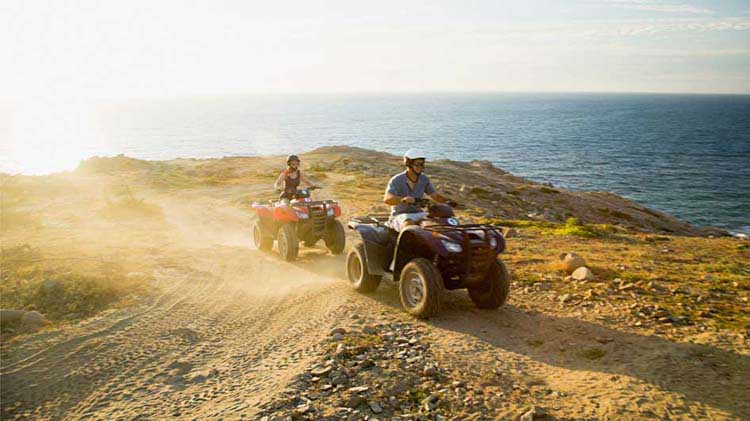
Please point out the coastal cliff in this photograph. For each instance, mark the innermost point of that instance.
(136, 292)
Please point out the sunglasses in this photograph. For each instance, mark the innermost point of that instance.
(419, 164)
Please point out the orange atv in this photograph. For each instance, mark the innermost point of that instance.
(302, 219)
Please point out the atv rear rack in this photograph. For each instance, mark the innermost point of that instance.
(379, 219)
(463, 227)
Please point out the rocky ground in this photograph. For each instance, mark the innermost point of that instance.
(655, 327)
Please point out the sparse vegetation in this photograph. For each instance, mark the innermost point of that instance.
(126, 206)
(78, 289)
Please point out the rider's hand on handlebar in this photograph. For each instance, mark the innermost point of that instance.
(407, 199)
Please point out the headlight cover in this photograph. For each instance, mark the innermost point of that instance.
(452, 247)
(329, 212)
(493, 241)
(301, 215)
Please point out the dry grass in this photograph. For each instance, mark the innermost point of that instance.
(70, 288)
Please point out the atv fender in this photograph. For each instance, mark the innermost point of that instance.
(376, 249)
(413, 242)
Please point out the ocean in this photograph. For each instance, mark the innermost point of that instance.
(688, 155)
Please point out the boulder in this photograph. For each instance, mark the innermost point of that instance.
(28, 320)
(11, 316)
(571, 261)
(583, 274)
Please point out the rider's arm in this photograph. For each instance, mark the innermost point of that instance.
(392, 199)
(305, 180)
(278, 184)
(437, 197)
(430, 192)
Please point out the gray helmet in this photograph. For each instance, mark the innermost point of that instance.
(291, 158)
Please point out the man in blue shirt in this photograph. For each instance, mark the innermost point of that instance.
(404, 187)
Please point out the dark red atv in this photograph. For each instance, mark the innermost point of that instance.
(302, 219)
(438, 254)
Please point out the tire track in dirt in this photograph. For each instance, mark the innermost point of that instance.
(215, 343)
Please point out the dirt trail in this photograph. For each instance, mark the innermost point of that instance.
(218, 341)
(234, 327)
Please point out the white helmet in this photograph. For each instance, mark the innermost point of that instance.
(415, 154)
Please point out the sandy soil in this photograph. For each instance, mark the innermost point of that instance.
(233, 327)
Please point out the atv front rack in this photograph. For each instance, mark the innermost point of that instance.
(477, 254)
(317, 212)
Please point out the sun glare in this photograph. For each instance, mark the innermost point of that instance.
(50, 135)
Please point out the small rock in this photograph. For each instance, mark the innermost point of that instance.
(565, 298)
(338, 330)
(375, 407)
(338, 336)
(354, 401)
(583, 274)
(510, 233)
(430, 371)
(369, 330)
(320, 371)
(359, 389)
(431, 402)
(303, 409)
(626, 286)
(340, 350)
(534, 414)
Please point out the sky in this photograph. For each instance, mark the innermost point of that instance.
(124, 49)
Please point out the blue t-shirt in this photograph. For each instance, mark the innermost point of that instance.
(399, 186)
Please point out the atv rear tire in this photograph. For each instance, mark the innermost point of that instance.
(288, 242)
(336, 238)
(356, 270)
(495, 290)
(420, 288)
(263, 243)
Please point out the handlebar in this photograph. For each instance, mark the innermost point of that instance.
(425, 202)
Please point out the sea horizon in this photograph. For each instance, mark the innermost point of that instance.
(647, 147)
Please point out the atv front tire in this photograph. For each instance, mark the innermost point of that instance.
(336, 238)
(494, 291)
(420, 288)
(261, 242)
(356, 270)
(288, 242)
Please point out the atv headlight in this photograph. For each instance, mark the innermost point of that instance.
(301, 215)
(329, 212)
(493, 242)
(452, 247)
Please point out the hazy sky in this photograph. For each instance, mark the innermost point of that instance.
(95, 49)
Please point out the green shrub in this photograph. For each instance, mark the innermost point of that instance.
(573, 227)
